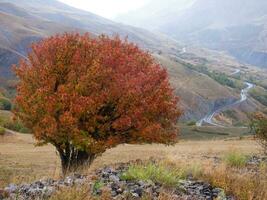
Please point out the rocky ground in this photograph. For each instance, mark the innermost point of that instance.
(188, 189)
(251, 160)
(110, 178)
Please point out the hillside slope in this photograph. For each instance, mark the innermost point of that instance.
(25, 21)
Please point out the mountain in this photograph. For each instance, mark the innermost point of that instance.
(238, 27)
(152, 14)
(25, 21)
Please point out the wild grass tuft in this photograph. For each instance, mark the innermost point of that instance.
(158, 173)
(2, 130)
(235, 159)
(79, 193)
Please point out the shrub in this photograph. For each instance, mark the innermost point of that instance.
(16, 126)
(235, 159)
(2, 131)
(259, 128)
(97, 186)
(5, 104)
(94, 94)
(191, 123)
(260, 95)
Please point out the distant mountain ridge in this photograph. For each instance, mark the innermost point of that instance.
(238, 26)
(26, 21)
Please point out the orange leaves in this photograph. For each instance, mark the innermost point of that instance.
(96, 93)
(122, 124)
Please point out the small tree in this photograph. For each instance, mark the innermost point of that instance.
(259, 128)
(85, 95)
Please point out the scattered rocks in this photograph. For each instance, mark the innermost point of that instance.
(41, 189)
(187, 189)
(253, 160)
(256, 160)
(110, 178)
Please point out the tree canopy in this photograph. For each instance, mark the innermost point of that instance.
(86, 94)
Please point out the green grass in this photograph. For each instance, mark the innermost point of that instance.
(211, 132)
(7, 122)
(236, 159)
(260, 94)
(97, 186)
(158, 173)
(2, 131)
(5, 104)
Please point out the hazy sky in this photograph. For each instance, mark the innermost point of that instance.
(106, 8)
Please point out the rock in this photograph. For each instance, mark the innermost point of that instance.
(216, 191)
(138, 191)
(114, 178)
(12, 188)
(135, 195)
(119, 189)
(3, 194)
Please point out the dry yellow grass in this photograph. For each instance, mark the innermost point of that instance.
(21, 161)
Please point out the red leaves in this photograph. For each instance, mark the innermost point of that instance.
(95, 93)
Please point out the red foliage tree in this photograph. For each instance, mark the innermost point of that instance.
(85, 95)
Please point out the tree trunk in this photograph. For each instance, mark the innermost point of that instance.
(72, 158)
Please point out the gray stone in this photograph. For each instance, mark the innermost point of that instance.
(12, 188)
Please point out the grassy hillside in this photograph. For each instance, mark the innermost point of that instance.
(222, 164)
(197, 91)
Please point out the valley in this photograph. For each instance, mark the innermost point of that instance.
(243, 97)
(165, 101)
(190, 84)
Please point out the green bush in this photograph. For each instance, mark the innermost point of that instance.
(5, 104)
(16, 126)
(260, 95)
(191, 123)
(221, 78)
(97, 186)
(2, 131)
(235, 159)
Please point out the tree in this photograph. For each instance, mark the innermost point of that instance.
(85, 95)
(259, 128)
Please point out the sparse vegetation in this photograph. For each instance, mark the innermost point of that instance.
(242, 185)
(5, 104)
(221, 78)
(235, 159)
(97, 185)
(17, 152)
(259, 128)
(191, 123)
(7, 122)
(79, 193)
(2, 131)
(259, 94)
(159, 173)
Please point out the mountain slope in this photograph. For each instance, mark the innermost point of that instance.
(25, 21)
(238, 27)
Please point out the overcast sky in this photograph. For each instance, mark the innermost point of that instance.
(106, 8)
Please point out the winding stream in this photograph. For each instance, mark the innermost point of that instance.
(208, 119)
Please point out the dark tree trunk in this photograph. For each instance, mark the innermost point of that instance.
(72, 158)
